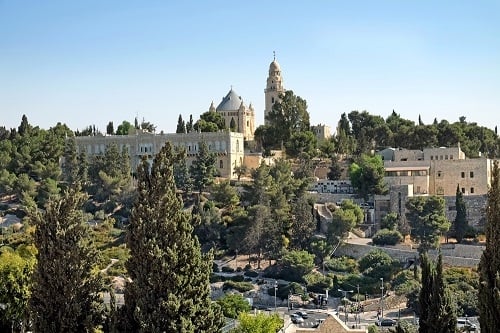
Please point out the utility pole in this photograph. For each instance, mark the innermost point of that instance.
(275, 289)
(358, 309)
(345, 305)
(382, 298)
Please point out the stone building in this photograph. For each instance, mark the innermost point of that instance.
(322, 132)
(274, 88)
(237, 116)
(227, 145)
(435, 171)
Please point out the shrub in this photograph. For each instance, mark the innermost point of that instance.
(237, 278)
(387, 237)
(239, 286)
(248, 267)
(227, 269)
(233, 304)
(252, 274)
(341, 264)
(215, 268)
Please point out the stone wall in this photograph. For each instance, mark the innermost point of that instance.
(460, 255)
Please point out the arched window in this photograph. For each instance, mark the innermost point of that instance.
(221, 164)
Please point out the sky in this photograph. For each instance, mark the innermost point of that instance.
(89, 62)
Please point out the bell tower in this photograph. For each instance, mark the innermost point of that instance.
(274, 87)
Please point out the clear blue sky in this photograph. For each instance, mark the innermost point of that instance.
(93, 61)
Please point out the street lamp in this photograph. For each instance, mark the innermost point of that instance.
(345, 305)
(275, 289)
(382, 298)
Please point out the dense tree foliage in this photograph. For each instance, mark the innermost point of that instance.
(233, 304)
(427, 219)
(210, 122)
(288, 117)
(170, 288)
(489, 266)
(16, 269)
(259, 323)
(66, 286)
(367, 176)
(378, 264)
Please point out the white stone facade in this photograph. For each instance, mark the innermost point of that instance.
(227, 145)
(438, 171)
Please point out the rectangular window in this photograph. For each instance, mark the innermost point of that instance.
(463, 174)
(472, 174)
(463, 190)
(472, 190)
(432, 157)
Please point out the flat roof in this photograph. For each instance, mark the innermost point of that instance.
(407, 168)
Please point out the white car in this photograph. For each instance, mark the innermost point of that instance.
(296, 319)
(465, 324)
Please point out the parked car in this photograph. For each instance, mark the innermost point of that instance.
(386, 322)
(296, 319)
(465, 325)
(303, 314)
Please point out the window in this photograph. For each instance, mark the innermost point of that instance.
(221, 164)
(272, 100)
(463, 174)
(432, 157)
(451, 157)
(472, 190)
(472, 174)
(463, 190)
(439, 174)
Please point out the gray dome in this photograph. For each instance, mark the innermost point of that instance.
(231, 102)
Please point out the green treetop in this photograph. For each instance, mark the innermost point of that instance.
(170, 289)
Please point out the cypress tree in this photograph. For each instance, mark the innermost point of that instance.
(460, 222)
(425, 295)
(169, 289)
(442, 314)
(66, 286)
(489, 265)
(437, 314)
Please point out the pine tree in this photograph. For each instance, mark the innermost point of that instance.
(460, 224)
(203, 169)
(489, 266)
(170, 289)
(65, 295)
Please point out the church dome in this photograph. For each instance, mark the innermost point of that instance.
(231, 102)
(274, 67)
